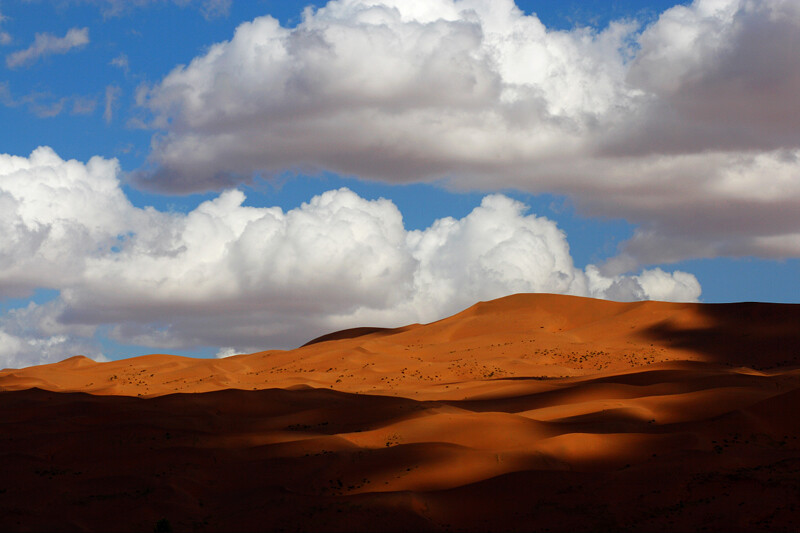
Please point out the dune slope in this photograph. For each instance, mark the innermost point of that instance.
(531, 412)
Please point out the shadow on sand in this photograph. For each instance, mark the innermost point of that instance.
(757, 335)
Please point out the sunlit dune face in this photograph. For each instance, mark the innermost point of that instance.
(482, 350)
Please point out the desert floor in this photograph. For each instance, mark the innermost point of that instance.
(531, 413)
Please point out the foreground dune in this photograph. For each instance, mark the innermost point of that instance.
(532, 412)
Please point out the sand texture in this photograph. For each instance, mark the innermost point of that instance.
(527, 413)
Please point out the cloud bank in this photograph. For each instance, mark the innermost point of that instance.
(250, 278)
(685, 127)
(46, 44)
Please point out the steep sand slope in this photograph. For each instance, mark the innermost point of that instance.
(672, 417)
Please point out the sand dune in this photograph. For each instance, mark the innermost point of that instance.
(531, 412)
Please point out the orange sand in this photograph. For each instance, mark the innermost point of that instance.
(530, 412)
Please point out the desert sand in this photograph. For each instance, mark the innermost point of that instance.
(533, 412)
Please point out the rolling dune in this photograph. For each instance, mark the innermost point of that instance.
(531, 412)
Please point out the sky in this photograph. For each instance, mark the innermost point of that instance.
(209, 177)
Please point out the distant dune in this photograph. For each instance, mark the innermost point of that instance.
(531, 412)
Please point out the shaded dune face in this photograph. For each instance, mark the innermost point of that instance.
(530, 412)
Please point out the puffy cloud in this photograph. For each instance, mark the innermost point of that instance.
(721, 76)
(54, 214)
(494, 250)
(46, 44)
(652, 284)
(686, 127)
(33, 335)
(244, 278)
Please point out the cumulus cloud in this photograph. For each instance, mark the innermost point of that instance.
(54, 214)
(46, 44)
(685, 127)
(33, 335)
(243, 278)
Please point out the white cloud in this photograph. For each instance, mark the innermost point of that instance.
(243, 277)
(54, 214)
(652, 284)
(32, 335)
(227, 352)
(686, 127)
(46, 44)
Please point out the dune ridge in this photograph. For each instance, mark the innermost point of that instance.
(531, 412)
(525, 335)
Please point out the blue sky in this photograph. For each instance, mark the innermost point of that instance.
(628, 150)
